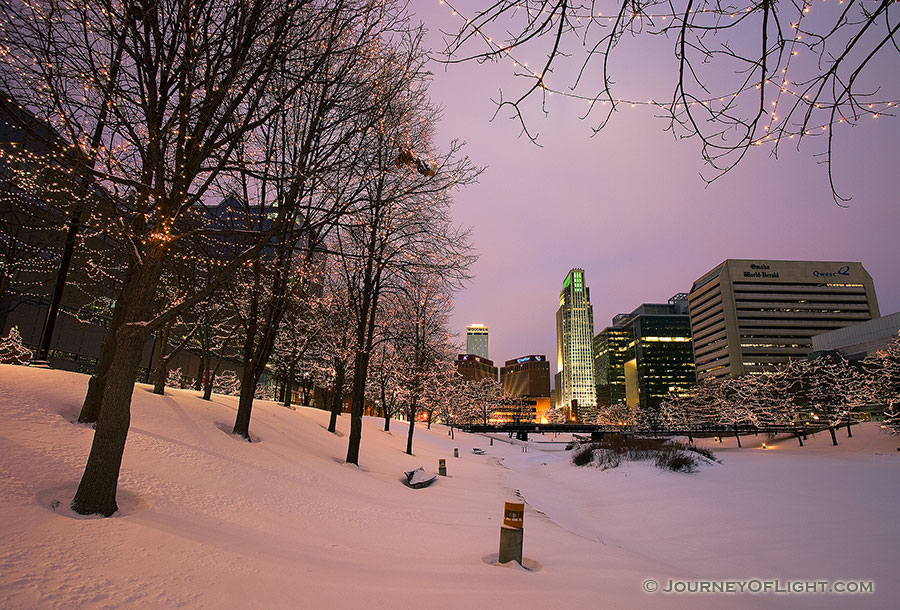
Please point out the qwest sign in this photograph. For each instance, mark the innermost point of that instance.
(842, 271)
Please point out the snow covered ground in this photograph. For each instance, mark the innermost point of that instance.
(208, 520)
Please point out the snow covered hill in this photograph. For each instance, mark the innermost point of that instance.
(209, 521)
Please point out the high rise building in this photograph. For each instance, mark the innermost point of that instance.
(528, 376)
(747, 315)
(646, 355)
(477, 340)
(610, 350)
(574, 334)
(475, 368)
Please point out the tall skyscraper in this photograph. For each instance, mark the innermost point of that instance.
(574, 334)
(645, 356)
(748, 315)
(477, 340)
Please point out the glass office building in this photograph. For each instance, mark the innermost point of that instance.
(574, 336)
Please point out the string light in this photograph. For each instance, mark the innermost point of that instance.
(876, 108)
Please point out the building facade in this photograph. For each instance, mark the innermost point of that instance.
(648, 355)
(477, 336)
(748, 315)
(574, 337)
(610, 352)
(528, 376)
(857, 341)
(475, 368)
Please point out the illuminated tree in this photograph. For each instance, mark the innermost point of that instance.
(11, 349)
(479, 401)
(882, 381)
(422, 344)
(400, 223)
(618, 414)
(386, 373)
(757, 73)
(829, 386)
(179, 87)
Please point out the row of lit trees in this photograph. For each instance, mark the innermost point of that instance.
(269, 184)
(828, 391)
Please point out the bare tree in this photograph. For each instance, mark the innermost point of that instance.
(881, 381)
(401, 224)
(759, 73)
(193, 80)
(422, 342)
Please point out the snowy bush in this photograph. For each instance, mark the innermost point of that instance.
(611, 452)
(11, 349)
(227, 383)
(264, 392)
(675, 460)
(174, 378)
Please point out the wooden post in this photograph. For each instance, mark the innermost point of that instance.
(511, 532)
(442, 467)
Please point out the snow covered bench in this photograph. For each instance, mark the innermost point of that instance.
(418, 478)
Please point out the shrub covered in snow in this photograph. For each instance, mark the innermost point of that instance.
(227, 383)
(612, 451)
(174, 378)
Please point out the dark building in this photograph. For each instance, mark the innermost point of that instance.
(610, 349)
(475, 368)
(646, 355)
(526, 376)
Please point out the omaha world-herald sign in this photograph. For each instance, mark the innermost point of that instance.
(802, 271)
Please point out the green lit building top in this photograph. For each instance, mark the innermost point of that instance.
(574, 334)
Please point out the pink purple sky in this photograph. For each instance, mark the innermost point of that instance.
(629, 206)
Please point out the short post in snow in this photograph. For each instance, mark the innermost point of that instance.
(456, 452)
(511, 532)
(442, 467)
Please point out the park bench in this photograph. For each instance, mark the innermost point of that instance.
(418, 478)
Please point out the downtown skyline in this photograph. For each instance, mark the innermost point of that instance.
(629, 205)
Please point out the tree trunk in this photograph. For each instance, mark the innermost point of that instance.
(412, 426)
(160, 363)
(249, 379)
(257, 353)
(90, 409)
(800, 438)
(207, 387)
(356, 409)
(833, 436)
(305, 388)
(201, 369)
(738, 437)
(384, 410)
(97, 490)
(289, 384)
(337, 396)
(849, 433)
